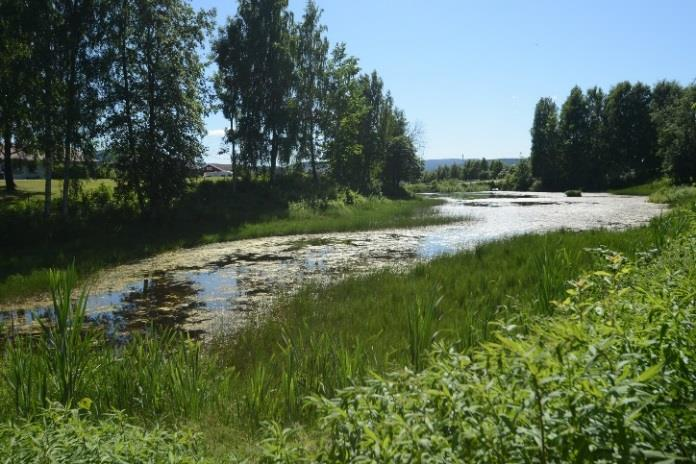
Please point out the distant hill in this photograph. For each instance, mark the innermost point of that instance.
(433, 164)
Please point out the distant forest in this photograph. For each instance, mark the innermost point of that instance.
(631, 135)
(471, 169)
(597, 140)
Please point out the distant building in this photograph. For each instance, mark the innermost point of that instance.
(30, 165)
(217, 170)
(24, 165)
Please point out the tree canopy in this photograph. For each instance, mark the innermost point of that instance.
(632, 134)
(290, 99)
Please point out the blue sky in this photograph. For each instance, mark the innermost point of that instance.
(469, 73)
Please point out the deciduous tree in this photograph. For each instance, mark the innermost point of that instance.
(545, 156)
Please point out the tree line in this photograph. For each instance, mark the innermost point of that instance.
(471, 169)
(289, 97)
(632, 134)
(125, 80)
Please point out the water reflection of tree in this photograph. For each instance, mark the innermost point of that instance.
(163, 303)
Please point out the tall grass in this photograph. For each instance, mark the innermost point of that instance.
(67, 345)
(643, 189)
(421, 319)
(677, 196)
(337, 216)
(154, 375)
(158, 376)
(24, 377)
(326, 338)
(56, 366)
(551, 282)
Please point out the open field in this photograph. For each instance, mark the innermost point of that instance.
(33, 189)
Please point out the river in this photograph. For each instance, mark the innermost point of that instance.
(220, 286)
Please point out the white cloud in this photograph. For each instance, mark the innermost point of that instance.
(216, 133)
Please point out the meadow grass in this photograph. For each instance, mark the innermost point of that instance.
(336, 216)
(674, 195)
(662, 191)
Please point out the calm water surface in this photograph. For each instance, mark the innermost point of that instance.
(222, 285)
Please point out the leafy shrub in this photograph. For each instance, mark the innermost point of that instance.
(73, 437)
(536, 186)
(573, 193)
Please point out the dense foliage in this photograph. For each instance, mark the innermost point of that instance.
(631, 135)
(476, 175)
(121, 81)
(76, 437)
(155, 90)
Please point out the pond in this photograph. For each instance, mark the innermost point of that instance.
(220, 286)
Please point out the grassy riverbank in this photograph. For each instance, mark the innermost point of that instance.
(609, 377)
(101, 233)
(450, 186)
(326, 339)
(643, 189)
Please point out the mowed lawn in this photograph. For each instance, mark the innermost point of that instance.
(33, 189)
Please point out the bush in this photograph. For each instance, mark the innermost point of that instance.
(74, 436)
(573, 193)
(536, 186)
